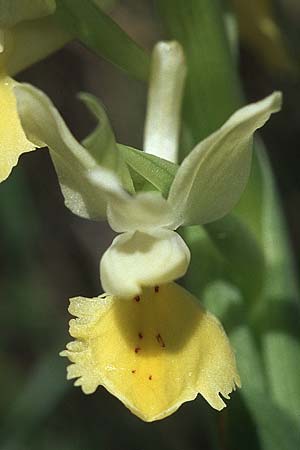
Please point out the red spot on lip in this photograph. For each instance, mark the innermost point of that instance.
(141, 336)
(137, 298)
(150, 377)
(156, 289)
(160, 340)
(137, 349)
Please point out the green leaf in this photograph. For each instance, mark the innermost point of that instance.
(278, 315)
(157, 171)
(274, 427)
(87, 22)
(229, 235)
(211, 79)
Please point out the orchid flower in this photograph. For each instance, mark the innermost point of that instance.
(148, 340)
(27, 33)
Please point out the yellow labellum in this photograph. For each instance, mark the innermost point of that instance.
(154, 352)
(13, 141)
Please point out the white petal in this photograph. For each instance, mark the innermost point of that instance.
(213, 176)
(142, 259)
(144, 212)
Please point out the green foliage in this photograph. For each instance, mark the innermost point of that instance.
(96, 30)
(156, 171)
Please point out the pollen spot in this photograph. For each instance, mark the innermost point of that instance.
(156, 289)
(150, 377)
(137, 349)
(140, 336)
(137, 298)
(133, 371)
(160, 340)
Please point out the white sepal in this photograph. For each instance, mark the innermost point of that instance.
(140, 259)
(43, 125)
(212, 177)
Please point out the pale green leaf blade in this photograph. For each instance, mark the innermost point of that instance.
(96, 30)
(278, 320)
(275, 427)
(213, 176)
(229, 235)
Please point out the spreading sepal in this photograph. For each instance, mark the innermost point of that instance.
(73, 162)
(212, 178)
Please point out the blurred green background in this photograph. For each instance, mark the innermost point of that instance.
(49, 255)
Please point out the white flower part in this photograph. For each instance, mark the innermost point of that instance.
(167, 77)
(211, 179)
(138, 259)
(108, 183)
(144, 212)
(43, 125)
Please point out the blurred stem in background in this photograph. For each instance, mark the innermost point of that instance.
(261, 33)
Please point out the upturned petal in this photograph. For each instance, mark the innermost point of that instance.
(154, 352)
(13, 141)
(139, 259)
(211, 179)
